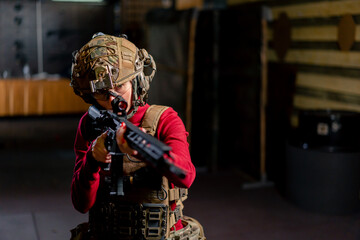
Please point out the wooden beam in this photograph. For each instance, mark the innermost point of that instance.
(320, 57)
(190, 70)
(305, 102)
(329, 83)
(323, 33)
(263, 97)
(315, 33)
(318, 9)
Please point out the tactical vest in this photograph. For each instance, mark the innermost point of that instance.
(144, 211)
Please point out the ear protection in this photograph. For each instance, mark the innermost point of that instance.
(144, 78)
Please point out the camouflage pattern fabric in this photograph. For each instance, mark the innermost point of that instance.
(116, 54)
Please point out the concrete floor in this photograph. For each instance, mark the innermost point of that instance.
(35, 200)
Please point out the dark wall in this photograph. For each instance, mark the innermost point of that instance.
(225, 117)
(233, 88)
(17, 36)
(168, 39)
(281, 88)
(65, 28)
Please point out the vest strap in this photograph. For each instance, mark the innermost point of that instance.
(152, 117)
(178, 194)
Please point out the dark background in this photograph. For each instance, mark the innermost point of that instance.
(225, 105)
(36, 152)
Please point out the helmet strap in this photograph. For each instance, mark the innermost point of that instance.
(135, 101)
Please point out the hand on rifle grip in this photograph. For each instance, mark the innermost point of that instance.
(99, 151)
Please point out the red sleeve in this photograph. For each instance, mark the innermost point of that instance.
(172, 132)
(86, 178)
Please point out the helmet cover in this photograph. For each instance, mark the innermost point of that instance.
(107, 61)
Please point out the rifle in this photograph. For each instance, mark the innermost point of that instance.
(150, 149)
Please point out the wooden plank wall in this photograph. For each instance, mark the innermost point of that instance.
(327, 77)
(314, 73)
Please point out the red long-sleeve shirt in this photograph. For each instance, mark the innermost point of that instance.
(86, 177)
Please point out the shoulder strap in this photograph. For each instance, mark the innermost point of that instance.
(151, 118)
(150, 123)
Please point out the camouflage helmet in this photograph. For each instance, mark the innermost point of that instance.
(106, 62)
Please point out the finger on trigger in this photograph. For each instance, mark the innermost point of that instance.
(104, 135)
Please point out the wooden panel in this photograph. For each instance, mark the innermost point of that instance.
(320, 57)
(60, 98)
(15, 97)
(50, 90)
(3, 98)
(315, 33)
(21, 98)
(328, 78)
(32, 96)
(35, 93)
(238, 2)
(329, 83)
(187, 4)
(318, 9)
(305, 102)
